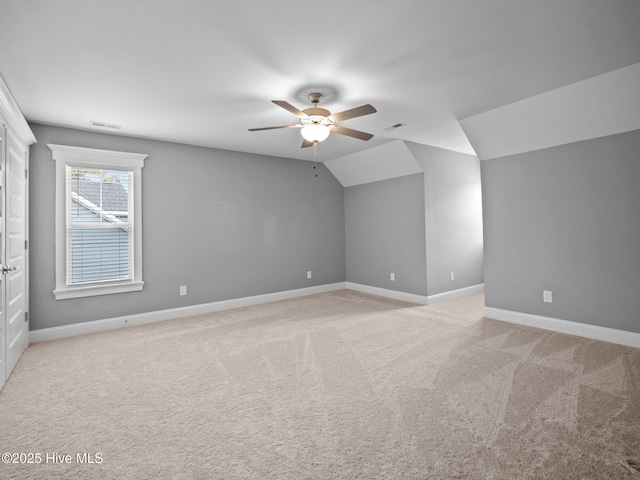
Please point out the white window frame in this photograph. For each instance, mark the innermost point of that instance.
(64, 155)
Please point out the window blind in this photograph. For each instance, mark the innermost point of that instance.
(99, 222)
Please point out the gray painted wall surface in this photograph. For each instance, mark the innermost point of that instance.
(453, 209)
(566, 219)
(385, 233)
(225, 224)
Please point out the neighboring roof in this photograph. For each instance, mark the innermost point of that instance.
(114, 196)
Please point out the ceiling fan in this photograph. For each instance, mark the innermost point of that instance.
(316, 123)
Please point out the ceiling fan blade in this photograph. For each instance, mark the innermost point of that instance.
(353, 113)
(290, 108)
(306, 143)
(351, 133)
(273, 128)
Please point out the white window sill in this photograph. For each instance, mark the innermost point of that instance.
(92, 290)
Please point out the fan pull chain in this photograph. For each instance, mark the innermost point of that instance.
(315, 158)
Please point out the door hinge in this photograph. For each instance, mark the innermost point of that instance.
(26, 316)
(26, 173)
(26, 244)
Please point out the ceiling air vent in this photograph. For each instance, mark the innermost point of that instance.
(393, 127)
(105, 125)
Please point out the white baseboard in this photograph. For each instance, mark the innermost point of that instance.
(412, 297)
(453, 294)
(385, 292)
(612, 335)
(95, 326)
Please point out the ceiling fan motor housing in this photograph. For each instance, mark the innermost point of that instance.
(316, 111)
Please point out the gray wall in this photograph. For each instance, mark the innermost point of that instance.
(385, 233)
(453, 208)
(566, 219)
(225, 224)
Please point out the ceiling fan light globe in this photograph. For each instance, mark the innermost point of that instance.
(315, 132)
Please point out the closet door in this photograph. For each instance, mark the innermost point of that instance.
(13, 268)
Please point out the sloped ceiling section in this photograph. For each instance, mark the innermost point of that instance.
(599, 106)
(603, 105)
(390, 160)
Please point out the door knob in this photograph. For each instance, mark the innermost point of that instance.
(7, 269)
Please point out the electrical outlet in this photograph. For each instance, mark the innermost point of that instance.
(453, 276)
(547, 296)
(392, 277)
(183, 290)
(308, 273)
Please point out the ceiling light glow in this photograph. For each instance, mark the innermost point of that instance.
(315, 132)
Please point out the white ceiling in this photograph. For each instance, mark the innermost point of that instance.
(390, 160)
(599, 106)
(204, 71)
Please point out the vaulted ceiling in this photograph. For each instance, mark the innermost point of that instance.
(202, 72)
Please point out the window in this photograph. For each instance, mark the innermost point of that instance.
(98, 239)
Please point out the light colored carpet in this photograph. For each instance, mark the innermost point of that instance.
(332, 386)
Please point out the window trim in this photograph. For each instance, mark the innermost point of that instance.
(64, 155)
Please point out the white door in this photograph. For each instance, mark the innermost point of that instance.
(3, 336)
(13, 270)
